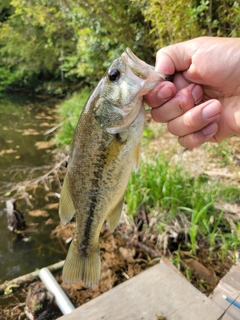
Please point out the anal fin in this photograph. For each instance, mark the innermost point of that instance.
(66, 206)
(115, 215)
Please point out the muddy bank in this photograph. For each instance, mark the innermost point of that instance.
(124, 254)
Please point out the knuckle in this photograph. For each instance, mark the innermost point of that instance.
(189, 121)
(185, 100)
(189, 141)
(193, 140)
(156, 115)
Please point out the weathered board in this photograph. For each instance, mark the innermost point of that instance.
(160, 291)
(229, 286)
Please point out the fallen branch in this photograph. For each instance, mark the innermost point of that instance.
(222, 174)
(150, 251)
(53, 129)
(27, 278)
(20, 187)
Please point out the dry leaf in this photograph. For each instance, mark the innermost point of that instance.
(29, 132)
(7, 151)
(43, 144)
(38, 213)
(52, 206)
(201, 271)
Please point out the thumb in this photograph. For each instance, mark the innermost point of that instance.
(173, 58)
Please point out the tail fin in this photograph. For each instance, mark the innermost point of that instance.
(81, 267)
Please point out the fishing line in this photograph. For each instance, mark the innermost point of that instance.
(221, 316)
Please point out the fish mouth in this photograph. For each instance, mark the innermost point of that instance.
(138, 66)
(143, 70)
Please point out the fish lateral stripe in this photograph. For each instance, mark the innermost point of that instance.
(93, 199)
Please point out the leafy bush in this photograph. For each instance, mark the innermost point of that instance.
(75, 40)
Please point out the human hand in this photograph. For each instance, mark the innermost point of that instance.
(203, 102)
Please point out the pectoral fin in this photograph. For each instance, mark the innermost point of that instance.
(66, 207)
(115, 215)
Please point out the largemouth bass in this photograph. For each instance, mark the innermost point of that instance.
(105, 148)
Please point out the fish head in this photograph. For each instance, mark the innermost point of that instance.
(129, 76)
(125, 83)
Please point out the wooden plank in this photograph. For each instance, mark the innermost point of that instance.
(229, 286)
(158, 291)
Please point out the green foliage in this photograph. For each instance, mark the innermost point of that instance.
(7, 77)
(171, 20)
(29, 40)
(227, 18)
(229, 194)
(174, 21)
(168, 192)
(68, 41)
(161, 185)
(222, 152)
(106, 29)
(74, 41)
(5, 10)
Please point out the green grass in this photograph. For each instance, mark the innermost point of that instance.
(229, 194)
(171, 191)
(70, 111)
(158, 184)
(222, 152)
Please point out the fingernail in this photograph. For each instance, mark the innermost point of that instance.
(197, 93)
(165, 93)
(211, 111)
(210, 129)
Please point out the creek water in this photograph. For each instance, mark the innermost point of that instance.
(24, 147)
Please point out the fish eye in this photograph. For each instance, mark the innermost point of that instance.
(114, 75)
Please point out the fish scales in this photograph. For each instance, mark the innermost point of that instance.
(104, 150)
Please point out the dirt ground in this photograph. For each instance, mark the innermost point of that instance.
(132, 249)
(124, 254)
